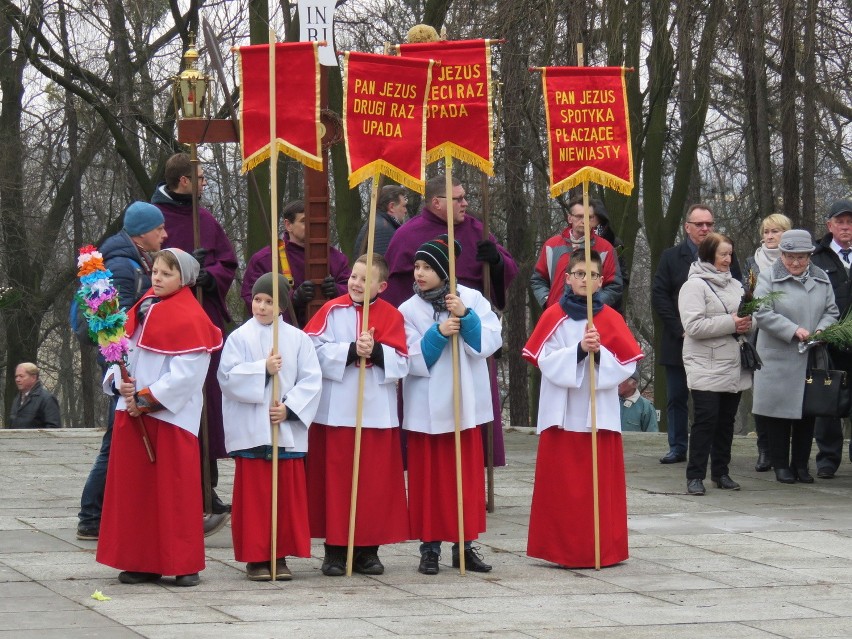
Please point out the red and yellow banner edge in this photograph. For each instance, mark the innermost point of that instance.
(589, 174)
(311, 161)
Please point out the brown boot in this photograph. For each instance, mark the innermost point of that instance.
(282, 572)
(258, 571)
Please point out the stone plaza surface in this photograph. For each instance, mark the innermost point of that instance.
(769, 561)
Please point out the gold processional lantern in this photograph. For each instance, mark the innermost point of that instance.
(191, 86)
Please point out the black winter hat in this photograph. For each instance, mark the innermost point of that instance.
(436, 253)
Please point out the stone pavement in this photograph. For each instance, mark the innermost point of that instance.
(769, 561)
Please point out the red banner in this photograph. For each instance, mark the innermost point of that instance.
(460, 117)
(588, 128)
(384, 118)
(297, 103)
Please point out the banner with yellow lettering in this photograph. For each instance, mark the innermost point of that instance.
(460, 116)
(297, 103)
(588, 128)
(384, 117)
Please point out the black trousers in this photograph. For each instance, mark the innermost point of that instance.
(712, 433)
(790, 440)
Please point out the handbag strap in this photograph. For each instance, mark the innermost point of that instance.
(725, 306)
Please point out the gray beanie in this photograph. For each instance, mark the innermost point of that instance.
(264, 285)
(141, 217)
(796, 241)
(189, 267)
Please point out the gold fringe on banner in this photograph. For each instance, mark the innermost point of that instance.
(380, 166)
(258, 157)
(459, 153)
(589, 174)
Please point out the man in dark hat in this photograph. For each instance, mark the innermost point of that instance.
(832, 255)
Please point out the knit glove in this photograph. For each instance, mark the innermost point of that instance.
(304, 294)
(486, 251)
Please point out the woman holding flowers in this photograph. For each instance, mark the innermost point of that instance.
(771, 229)
(152, 520)
(805, 307)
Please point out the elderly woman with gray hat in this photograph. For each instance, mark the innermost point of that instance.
(805, 306)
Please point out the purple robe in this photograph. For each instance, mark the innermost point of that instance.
(400, 257)
(261, 263)
(221, 263)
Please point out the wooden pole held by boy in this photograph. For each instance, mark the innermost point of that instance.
(587, 248)
(362, 371)
(451, 242)
(273, 244)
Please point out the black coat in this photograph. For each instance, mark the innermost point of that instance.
(672, 272)
(41, 410)
(829, 261)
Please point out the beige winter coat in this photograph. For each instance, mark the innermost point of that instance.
(711, 351)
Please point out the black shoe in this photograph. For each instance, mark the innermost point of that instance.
(825, 473)
(218, 506)
(803, 475)
(128, 577)
(695, 487)
(214, 523)
(785, 476)
(86, 533)
(763, 462)
(367, 562)
(185, 581)
(334, 562)
(472, 560)
(429, 563)
(725, 482)
(672, 457)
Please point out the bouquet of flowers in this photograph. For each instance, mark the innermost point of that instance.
(99, 304)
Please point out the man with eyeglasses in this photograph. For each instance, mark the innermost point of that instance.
(391, 209)
(218, 266)
(548, 279)
(672, 272)
(832, 255)
(430, 223)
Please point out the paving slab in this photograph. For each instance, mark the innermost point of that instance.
(767, 561)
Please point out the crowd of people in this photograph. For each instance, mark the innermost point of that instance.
(326, 375)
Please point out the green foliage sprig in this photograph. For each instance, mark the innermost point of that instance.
(748, 307)
(838, 335)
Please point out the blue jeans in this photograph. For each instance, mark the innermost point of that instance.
(677, 410)
(92, 500)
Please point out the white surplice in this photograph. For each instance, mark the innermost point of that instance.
(247, 390)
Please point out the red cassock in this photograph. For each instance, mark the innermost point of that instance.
(432, 488)
(251, 519)
(562, 513)
(152, 517)
(381, 515)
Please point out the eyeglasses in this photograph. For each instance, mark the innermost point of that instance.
(795, 259)
(702, 225)
(459, 199)
(581, 275)
(201, 179)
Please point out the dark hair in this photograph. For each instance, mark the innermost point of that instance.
(379, 264)
(697, 206)
(578, 200)
(292, 210)
(579, 255)
(707, 249)
(438, 186)
(388, 195)
(177, 166)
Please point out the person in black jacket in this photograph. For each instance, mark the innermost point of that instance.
(34, 406)
(832, 255)
(391, 209)
(672, 272)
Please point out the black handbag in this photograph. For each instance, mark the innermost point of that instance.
(749, 358)
(827, 392)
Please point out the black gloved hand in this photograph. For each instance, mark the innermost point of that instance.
(200, 254)
(304, 294)
(486, 251)
(205, 281)
(329, 287)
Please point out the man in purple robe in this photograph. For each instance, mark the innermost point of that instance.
(218, 267)
(429, 224)
(291, 261)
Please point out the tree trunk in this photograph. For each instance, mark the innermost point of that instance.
(809, 118)
(787, 102)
